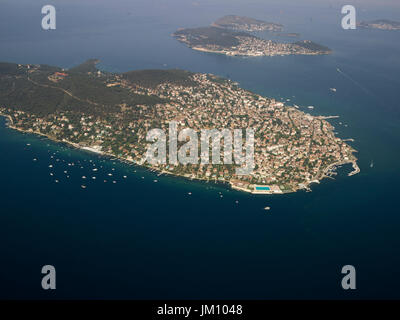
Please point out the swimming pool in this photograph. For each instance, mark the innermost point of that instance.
(263, 188)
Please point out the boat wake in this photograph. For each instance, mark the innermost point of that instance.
(354, 81)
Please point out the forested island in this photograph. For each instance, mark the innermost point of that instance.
(112, 113)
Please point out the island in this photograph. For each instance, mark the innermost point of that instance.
(230, 36)
(111, 114)
(239, 43)
(380, 24)
(241, 23)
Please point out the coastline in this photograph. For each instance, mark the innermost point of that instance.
(10, 125)
(227, 53)
(306, 186)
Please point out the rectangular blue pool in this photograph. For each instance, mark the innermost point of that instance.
(263, 188)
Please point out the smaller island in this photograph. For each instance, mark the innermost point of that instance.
(238, 43)
(380, 24)
(229, 36)
(246, 24)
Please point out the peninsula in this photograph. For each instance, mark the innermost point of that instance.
(111, 114)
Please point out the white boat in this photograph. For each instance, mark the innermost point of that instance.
(267, 208)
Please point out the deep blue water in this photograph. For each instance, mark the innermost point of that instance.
(143, 239)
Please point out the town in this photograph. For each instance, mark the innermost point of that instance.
(292, 149)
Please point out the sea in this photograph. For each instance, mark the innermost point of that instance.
(132, 234)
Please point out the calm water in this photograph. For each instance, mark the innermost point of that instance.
(138, 238)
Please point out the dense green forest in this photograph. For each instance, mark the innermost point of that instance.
(82, 89)
(312, 46)
(87, 66)
(152, 78)
(211, 36)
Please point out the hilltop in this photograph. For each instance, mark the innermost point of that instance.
(210, 36)
(43, 90)
(153, 78)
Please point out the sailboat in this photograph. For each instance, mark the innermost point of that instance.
(372, 164)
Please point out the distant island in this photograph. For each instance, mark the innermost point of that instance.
(229, 35)
(246, 24)
(111, 114)
(380, 24)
